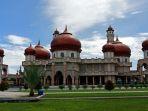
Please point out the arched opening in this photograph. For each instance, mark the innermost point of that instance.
(48, 80)
(58, 78)
(68, 80)
(72, 55)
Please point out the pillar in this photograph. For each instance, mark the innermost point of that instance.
(53, 73)
(93, 80)
(100, 80)
(86, 80)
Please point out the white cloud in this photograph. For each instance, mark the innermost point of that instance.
(82, 14)
(143, 34)
(14, 39)
(14, 55)
(136, 12)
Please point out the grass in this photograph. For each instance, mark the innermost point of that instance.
(104, 94)
(79, 105)
(133, 104)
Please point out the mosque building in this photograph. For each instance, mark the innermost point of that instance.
(63, 64)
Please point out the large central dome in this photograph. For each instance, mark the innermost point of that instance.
(65, 41)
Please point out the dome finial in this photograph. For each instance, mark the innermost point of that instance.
(30, 45)
(56, 32)
(66, 30)
(117, 40)
(39, 42)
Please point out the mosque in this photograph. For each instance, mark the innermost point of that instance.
(63, 64)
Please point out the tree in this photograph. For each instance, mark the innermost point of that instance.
(32, 77)
(109, 85)
(4, 85)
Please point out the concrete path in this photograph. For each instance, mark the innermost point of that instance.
(7, 94)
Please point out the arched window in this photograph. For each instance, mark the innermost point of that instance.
(118, 59)
(62, 54)
(54, 55)
(72, 55)
(125, 59)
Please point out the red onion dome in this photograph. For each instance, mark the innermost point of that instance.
(145, 45)
(41, 52)
(1, 52)
(30, 50)
(121, 49)
(65, 41)
(109, 47)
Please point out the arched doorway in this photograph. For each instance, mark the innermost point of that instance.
(58, 78)
(48, 80)
(68, 80)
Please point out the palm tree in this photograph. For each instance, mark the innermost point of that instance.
(32, 77)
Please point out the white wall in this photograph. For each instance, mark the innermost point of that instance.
(67, 53)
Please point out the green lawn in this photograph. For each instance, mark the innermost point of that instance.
(79, 105)
(95, 94)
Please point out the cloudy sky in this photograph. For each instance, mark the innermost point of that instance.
(26, 21)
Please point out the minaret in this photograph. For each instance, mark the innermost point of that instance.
(56, 33)
(110, 34)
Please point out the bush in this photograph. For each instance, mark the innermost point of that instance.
(92, 87)
(109, 85)
(46, 86)
(77, 87)
(61, 86)
(85, 86)
(70, 87)
(99, 86)
(4, 85)
(126, 86)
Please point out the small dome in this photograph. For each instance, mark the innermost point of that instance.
(41, 52)
(118, 48)
(30, 50)
(1, 52)
(145, 45)
(65, 41)
(108, 47)
(121, 49)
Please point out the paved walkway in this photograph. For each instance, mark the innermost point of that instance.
(7, 94)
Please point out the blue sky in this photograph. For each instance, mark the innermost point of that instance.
(27, 21)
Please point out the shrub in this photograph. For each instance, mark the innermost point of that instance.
(99, 86)
(126, 86)
(4, 85)
(85, 86)
(92, 87)
(70, 87)
(109, 85)
(61, 86)
(77, 87)
(46, 86)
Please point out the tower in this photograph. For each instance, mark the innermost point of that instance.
(110, 34)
